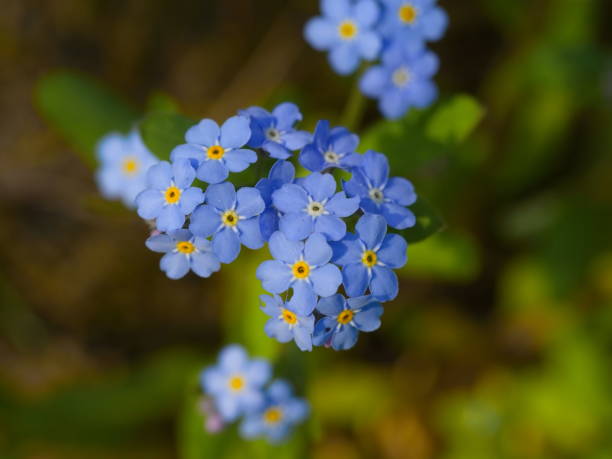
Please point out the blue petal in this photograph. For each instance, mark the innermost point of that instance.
(368, 319)
(278, 329)
(235, 132)
(303, 297)
(226, 245)
(326, 280)
(233, 358)
(297, 139)
(371, 229)
(290, 198)
(321, 33)
(228, 407)
(170, 218)
(332, 227)
(258, 372)
(191, 152)
(303, 339)
(366, 13)
(181, 235)
(421, 94)
(345, 338)
(204, 264)
(344, 142)
(369, 44)
(317, 251)
(435, 23)
(320, 186)
(184, 174)
(286, 114)
(321, 134)
(282, 171)
(393, 251)
(331, 306)
(250, 233)
(374, 81)
(305, 306)
(344, 58)
(356, 279)
(347, 251)
(274, 276)
(393, 104)
(205, 133)
(337, 9)
(175, 265)
(324, 330)
(249, 202)
(426, 65)
(190, 199)
(312, 159)
(296, 225)
(150, 203)
(384, 285)
(159, 176)
(398, 217)
(342, 206)
(221, 196)
(376, 167)
(239, 160)
(283, 249)
(401, 191)
(161, 243)
(272, 304)
(268, 223)
(212, 171)
(276, 150)
(205, 221)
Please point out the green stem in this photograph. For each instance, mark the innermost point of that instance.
(355, 107)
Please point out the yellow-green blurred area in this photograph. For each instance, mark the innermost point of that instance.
(500, 342)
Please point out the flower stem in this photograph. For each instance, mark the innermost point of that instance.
(355, 107)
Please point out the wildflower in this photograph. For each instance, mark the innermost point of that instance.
(236, 383)
(346, 30)
(217, 151)
(313, 206)
(413, 20)
(281, 172)
(344, 319)
(124, 161)
(184, 252)
(380, 194)
(302, 266)
(169, 196)
(231, 218)
(274, 132)
(330, 148)
(369, 257)
(289, 320)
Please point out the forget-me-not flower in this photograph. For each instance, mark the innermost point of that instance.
(303, 266)
(217, 151)
(169, 196)
(330, 148)
(413, 20)
(313, 206)
(369, 257)
(281, 172)
(184, 252)
(344, 319)
(231, 218)
(380, 194)
(236, 382)
(274, 132)
(346, 30)
(289, 320)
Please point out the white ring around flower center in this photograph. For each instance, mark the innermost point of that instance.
(331, 157)
(401, 77)
(273, 134)
(315, 209)
(376, 195)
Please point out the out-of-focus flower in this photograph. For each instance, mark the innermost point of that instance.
(289, 321)
(330, 148)
(282, 172)
(413, 20)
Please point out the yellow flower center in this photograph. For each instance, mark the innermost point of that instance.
(369, 258)
(215, 152)
(236, 383)
(185, 247)
(130, 165)
(230, 218)
(345, 316)
(347, 30)
(172, 195)
(289, 317)
(273, 415)
(407, 13)
(300, 270)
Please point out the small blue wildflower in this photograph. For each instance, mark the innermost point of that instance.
(124, 162)
(231, 218)
(313, 206)
(236, 383)
(330, 148)
(346, 30)
(274, 132)
(302, 266)
(410, 20)
(369, 257)
(217, 151)
(281, 172)
(380, 194)
(184, 252)
(344, 319)
(280, 414)
(169, 196)
(403, 80)
(289, 321)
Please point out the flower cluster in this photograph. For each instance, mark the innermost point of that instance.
(396, 31)
(239, 387)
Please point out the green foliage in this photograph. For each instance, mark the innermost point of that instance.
(428, 222)
(454, 120)
(163, 130)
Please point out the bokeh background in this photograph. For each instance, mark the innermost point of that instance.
(499, 345)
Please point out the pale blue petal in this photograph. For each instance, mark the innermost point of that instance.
(282, 171)
(345, 338)
(384, 285)
(170, 218)
(434, 24)
(296, 225)
(368, 319)
(398, 217)
(374, 81)
(233, 358)
(249, 202)
(268, 223)
(205, 133)
(276, 150)
(366, 13)
(347, 251)
(317, 251)
(283, 249)
(337, 9)
(190, 152)
(159, 176)
(303, 339)
(290, 198)
(356, 279)
(274, 276)
(205, 221)
(344, 58)
(286, 114)
(190, 199)
(303, 297)
(150, 203)
(320, 186)
(250, 233)
(278, 329)
(332, 227)
(371, 229)
(235, 132)
(161, 243)
(204, 264)
(376, 167)
(226, 245)
(221, 196)
(324, 330)
(258, 372)
(312, 159)
(297, 139)
(393, 104)
(401, 191)
(272, 304)
(239, 160)
(326, 280)
(212, 171)
(321, 33)
(331, 306)
(393, 251)
(342, 206)
(175, 265)
(184, 174)
(369, 44)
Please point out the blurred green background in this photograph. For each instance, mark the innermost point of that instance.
(500, 343)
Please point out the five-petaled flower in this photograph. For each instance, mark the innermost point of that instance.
(184, 252)
(313, 206)
(231, 218)
(330, 148)
(274, 132)
(380, 194)
(217, 151)
(344, 319)
(169, 196)
(289, 320)
(369, 257)
(413, 20)
(281, 172)
(302, 266)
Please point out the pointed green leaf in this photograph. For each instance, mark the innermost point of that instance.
(428, 222)
(454, 120)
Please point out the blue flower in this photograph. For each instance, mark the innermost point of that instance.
(346, 30)
(236, 382)
(274, 132)
(124, 162)
(230, 217)
(313, 206)
(403, 80)
(281, 412)
(282, 172)
(169, 196)
(183, 252)
(289, 320)
(344, 319)
(302, 266)
(369, 257)
(330, 148)
(413, 20)
(380, 194)
(217, 151)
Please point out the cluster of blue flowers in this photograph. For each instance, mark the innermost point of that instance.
(239, 387)
(333, 260)
(394, 31)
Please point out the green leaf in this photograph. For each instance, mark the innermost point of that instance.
(81, 110)
(428, 222)
(455, 120)
(161, 131)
